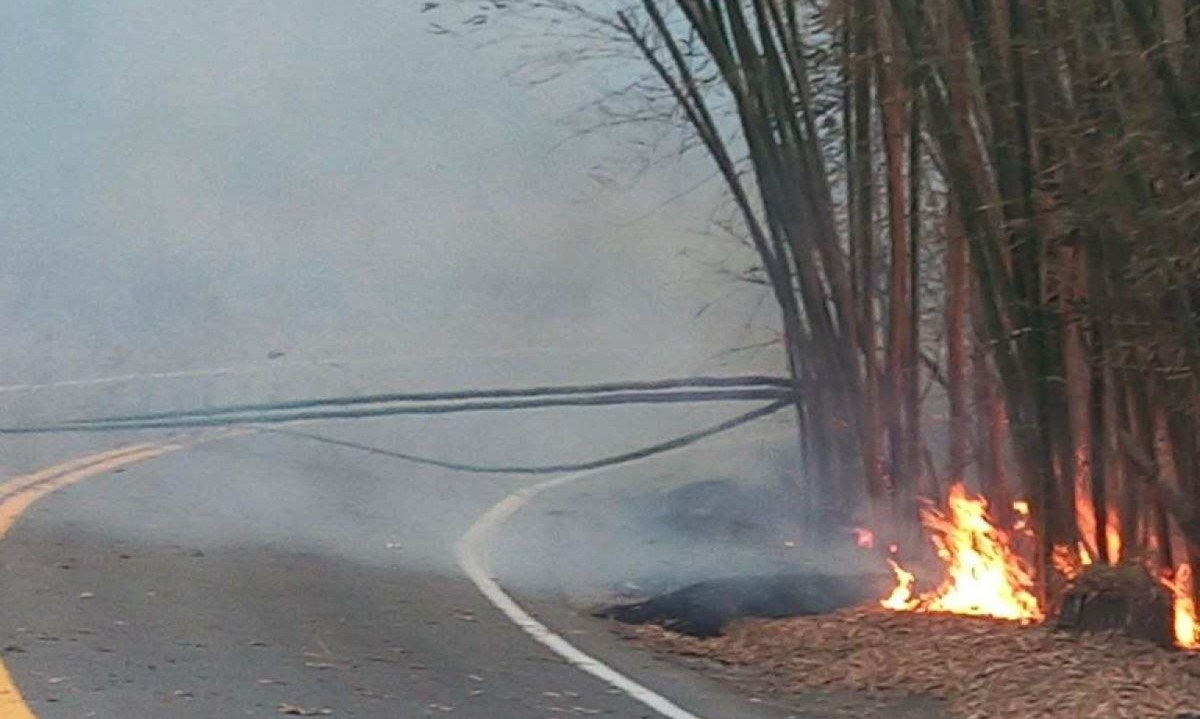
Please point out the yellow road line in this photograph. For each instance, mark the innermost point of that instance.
(18, 501)
(18, 494)
(17, 484)
(12, 704)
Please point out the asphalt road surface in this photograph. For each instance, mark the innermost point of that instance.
(258, 575)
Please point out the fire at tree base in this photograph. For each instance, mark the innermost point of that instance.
(984, 574)
(1122, 599)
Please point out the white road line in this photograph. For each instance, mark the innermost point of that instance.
(474, 562)
(472, 558)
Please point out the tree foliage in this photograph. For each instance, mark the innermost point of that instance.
(999, 199)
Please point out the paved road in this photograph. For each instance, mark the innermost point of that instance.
(240, 576)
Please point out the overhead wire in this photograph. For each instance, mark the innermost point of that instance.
(609, 461)
(701, 382)
(265, 417)
(219, 420)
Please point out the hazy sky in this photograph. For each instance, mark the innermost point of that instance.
(187, 184)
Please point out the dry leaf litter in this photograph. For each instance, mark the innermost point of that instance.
(980, 668)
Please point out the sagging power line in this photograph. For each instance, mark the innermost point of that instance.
(610, 461)
(668, 391)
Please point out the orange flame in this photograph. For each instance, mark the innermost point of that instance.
(1186, 620)
(1086, 517)
(901, 598)
(1187, 623)
(1085, 557)
(1021, 512)
(1068, 563)
(984, 576)
(1112, 535)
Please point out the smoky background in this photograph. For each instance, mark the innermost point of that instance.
(215, 202)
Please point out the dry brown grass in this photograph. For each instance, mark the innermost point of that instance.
(980, 668)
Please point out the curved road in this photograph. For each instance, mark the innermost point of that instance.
(261, 575)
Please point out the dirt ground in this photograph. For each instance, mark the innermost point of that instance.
(975, 669)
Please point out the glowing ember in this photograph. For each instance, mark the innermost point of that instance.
(864, 538)
(1021, 510)
(984, 576)
(1068, 563)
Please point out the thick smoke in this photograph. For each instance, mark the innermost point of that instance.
(320, 198)
(197, 188)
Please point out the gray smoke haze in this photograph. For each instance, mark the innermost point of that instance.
(192, 185)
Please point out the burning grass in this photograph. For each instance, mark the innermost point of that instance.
(1187, 622)
(980, 667)
(977, 641)
(985, 576)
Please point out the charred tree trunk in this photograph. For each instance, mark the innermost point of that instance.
(956, 350)
(1119, 599)
(912, 360)
(861, 186)
(892, 105)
